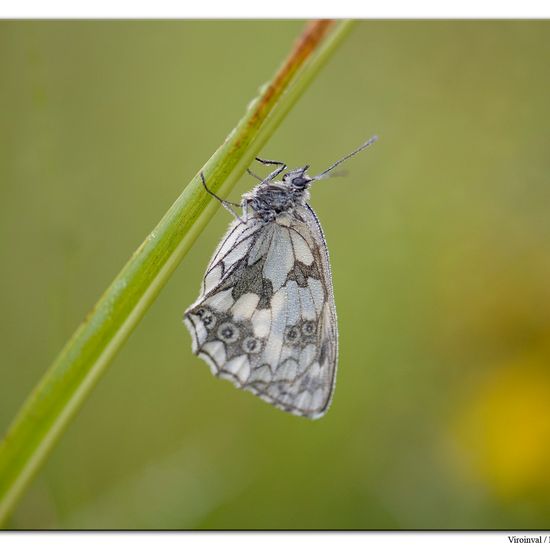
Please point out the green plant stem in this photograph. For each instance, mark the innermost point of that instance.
(64, 387)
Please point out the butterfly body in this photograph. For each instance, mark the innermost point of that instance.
(265, 318)
(268, 201)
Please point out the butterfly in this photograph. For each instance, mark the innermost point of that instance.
(265, 318)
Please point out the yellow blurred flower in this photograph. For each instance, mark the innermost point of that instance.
(504, 429)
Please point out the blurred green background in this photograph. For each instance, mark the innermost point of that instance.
(439, 239)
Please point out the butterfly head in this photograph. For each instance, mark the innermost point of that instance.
(297, 179)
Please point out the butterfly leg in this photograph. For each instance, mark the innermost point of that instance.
(250, 173)
(228, 205)
(244, 206)
(275, 173)
(270, 162)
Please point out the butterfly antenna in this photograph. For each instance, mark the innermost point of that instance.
(353, 153)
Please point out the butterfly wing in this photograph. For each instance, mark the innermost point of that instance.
(266, 318)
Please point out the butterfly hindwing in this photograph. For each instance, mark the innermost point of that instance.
(266, 317)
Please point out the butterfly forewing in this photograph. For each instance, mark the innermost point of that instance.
(266, 318)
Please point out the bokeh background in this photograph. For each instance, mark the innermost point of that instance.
(439, 239)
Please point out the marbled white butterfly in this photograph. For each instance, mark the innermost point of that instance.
(265, 318)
